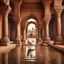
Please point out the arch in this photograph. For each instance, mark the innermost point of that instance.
(31, 20)
(24, 19)
(30, 30)
(30, 23)
(29, 16)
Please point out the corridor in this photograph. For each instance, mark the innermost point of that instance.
(31, 31)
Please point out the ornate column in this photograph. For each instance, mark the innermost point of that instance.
(17, 39)
(58, 10)
(47, 18)
(5, 39)
(17, 20)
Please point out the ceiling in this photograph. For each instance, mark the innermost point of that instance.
(32, 1)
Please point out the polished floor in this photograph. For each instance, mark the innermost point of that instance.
(42, 55)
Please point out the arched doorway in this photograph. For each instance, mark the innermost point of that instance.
(31, 33)
(31, 38)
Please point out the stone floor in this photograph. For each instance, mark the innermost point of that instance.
(47, 55)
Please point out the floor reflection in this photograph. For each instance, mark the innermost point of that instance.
(30, 52)
(41, 55)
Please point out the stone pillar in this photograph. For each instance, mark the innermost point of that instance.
(16, 52)
(24, 34)
(46, 30)
(17, 30)
(17, 20)
(58, 11)
(5, 39)
(47, 18)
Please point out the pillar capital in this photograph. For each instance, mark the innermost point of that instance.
(58, 2)
(47, 12)
(47, 20)
(47, 2)
(58, 9)
(6, 10)
(17, 39)
(17, 1)
(17, 19)
(5, 40)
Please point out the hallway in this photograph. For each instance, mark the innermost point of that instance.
(31, 31)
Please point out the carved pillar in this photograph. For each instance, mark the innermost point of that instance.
(17, 30)
(47, 19)
(5, 39)
(17, 20)
(58, 10)
(47, 32)
(25, 34)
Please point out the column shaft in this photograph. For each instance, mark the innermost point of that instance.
(47, 20)
(5, 27)
(58, 26)
(17, 20)
(17, 34)
(58, 10)
(5, 39)
(18, 30)
(46, 32)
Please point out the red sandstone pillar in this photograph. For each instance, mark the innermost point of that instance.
(5, 39)
(58, 10)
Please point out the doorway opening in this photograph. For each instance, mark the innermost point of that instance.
(30, 49)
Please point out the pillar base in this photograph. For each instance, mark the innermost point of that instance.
(58, 43)
(59, 40)
(47, 40)
(17, 41)
(4, 41)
